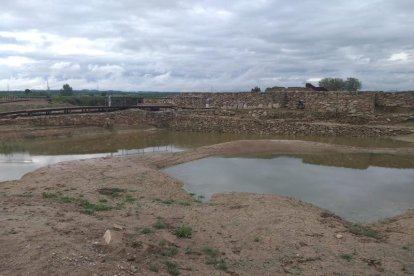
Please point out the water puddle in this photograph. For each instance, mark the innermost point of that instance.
(360, 188)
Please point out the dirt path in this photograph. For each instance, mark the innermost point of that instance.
(53, 221)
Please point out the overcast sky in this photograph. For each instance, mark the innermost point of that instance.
(205, 45)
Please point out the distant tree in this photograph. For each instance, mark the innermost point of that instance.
(66, 90)
(332, 84)
(352, 84)
(27, 91)
(256, 89)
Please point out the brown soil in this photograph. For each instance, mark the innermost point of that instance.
(48, 229)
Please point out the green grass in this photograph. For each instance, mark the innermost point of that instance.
(172, 268)
(218, 264)
(211, 252)
(159, 225)
(170, 251)
(88, 207)
(146, 231)
(112, 192)
(183, 231)
(346, 257)
(361, 230)
(130, 199)
(91, 208)
(50, 195)
(154, 267)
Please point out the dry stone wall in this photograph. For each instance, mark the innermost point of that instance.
(401, 99)
(224, 124)
(339, 102)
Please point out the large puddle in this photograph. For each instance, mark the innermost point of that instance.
(358, 187)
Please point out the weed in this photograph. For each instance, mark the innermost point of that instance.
(159, 225)
(130, 199)
(162, 243)
(49, 195)
(103, 200)
(120, 205)
(146, 231)
(183, 231)
(218, 264)
(67, 199)
(90, 208)
(170, 251)
(154, 267)
(256, 239)
(200, 197)
(184, 203)
(405, 247)
(346, 257)
(112, 192)
(211, 252)
(168, 201)
(361, 230)
(172, 268)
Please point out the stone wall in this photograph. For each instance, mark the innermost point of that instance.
(400, 99)
(339, 102)
(222, 121)
(225, 124)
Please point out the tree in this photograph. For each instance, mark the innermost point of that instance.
(66, 90)
(332, 84)
(352, 84)
(256, 89)
(27, 91)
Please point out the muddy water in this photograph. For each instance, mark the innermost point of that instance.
(360, 188)
(304, 178)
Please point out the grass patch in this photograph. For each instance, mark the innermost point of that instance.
(361, 230)
(146, 231)
(91, 208)
(346, 257)
(170, 251)
(183, 231)
(50, 195)
(172, 268)
(159, 225)
(184, 203)
(218, 264)
(88, 207)
(154, 267)
(211, 252)
(130, 199)
(112, 192)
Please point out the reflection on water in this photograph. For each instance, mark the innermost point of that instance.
(14, 166)
(362, 195)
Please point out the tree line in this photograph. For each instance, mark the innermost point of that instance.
(338, 84)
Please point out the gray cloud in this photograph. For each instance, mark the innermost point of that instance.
(205, 45)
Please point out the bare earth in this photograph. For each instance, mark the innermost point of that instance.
(48, 226)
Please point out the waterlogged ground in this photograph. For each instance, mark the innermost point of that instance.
(18, 157)
(357, 187)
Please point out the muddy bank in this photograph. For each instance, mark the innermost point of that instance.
(53, 221)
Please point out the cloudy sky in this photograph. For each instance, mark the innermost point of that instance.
(205, 45)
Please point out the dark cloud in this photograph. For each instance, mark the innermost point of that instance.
(205, 45)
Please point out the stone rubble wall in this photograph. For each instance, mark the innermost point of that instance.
(400, 99)
(214, 120)
(223, 124)
(340, 102)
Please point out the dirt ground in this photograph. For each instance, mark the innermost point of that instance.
(53, 221)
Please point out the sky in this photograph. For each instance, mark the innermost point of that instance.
(156, 45)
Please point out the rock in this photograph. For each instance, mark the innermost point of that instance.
(118, 227)
(339, 236)
(107, 236)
